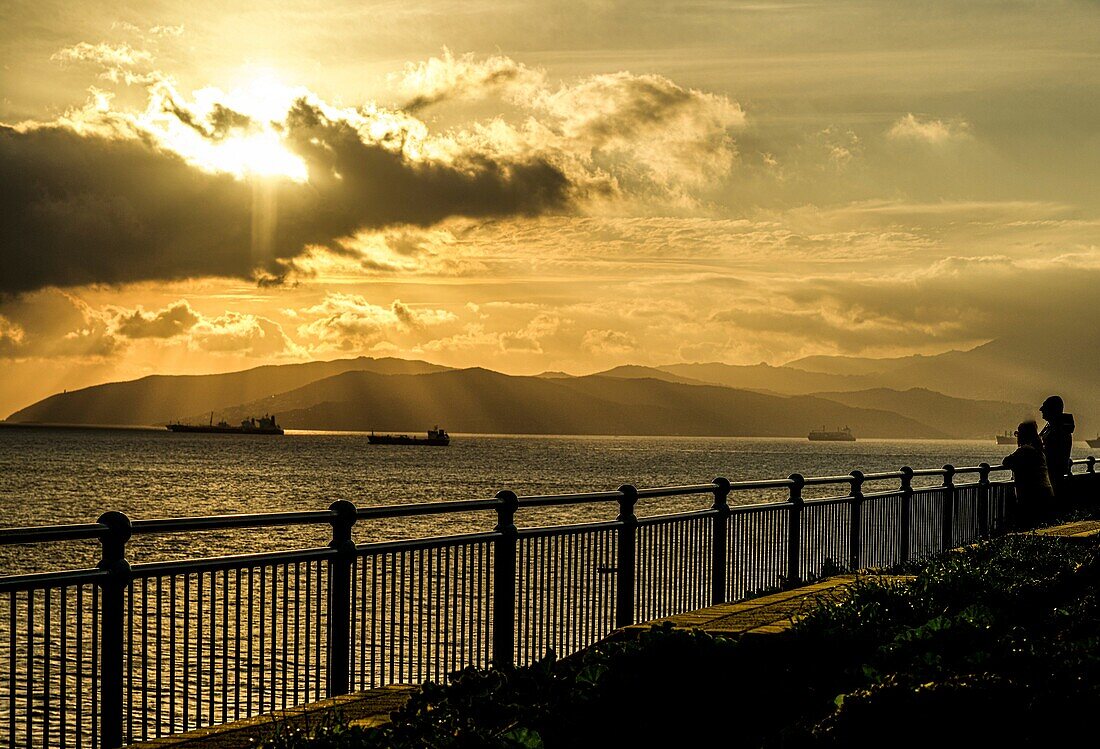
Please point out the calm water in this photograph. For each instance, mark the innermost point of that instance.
(72, 475)
(180, 678)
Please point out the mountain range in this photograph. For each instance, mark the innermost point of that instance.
(960, 394)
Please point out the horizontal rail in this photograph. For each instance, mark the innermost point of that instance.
(674, 516)
(51, 580)
(416, 544)
(544, 531)
(224, 522)
(883, 494)
(738, 486)
(824, 480)
(426, 508)
(883, 476)
(928, 472)
(234, 561)
(826, 501)
(48, 533)
(754, 508)
(552, 500)
(677, 491)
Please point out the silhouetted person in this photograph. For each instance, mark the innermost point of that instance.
(1034, 493)
(1057, 437)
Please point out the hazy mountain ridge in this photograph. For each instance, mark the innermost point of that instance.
(854, 365)
(158, 399)
(1004, 370)
(969, 402)
(479, 400)
(958, 417)
(785, 380)
(637, 371)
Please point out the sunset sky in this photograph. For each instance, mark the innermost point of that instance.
(203, 186)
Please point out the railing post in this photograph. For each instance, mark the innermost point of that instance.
(624, 594)
(856, 538)
(794, 532)
(112, 627)
(504, 581)
(339, 598)
(721, 526)
(1090, 486)
(948, 540)
(904, 530)
(983, 500)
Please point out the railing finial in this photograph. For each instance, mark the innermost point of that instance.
(628, 500)
(798, 482)
(506, 510)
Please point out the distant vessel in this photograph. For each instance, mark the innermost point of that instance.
(1093, 443)
(435, 436)
(262, 425)
(840, 435)
(1008, 438)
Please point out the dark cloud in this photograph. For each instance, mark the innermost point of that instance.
(216, 125)
(169, 322)
(85, 209)
(82, 210)
(354, 184)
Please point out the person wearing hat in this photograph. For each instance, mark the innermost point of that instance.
(1057, 437)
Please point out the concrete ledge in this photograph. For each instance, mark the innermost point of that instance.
(366, 709)
(1082, 529)
(770, 614)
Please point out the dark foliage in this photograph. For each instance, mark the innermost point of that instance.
(998, 643)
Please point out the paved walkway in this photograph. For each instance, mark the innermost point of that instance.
(1084, 529)
(765, 615)
(370, 708)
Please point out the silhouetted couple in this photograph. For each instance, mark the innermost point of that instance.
(1041, 462)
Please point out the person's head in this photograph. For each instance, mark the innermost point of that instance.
(1027, 433)
(1052, 406)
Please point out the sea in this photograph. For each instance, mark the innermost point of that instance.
(257, 654)
(51, 476)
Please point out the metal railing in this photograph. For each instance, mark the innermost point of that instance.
(120, 652)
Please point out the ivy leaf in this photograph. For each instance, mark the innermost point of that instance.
(522, 738)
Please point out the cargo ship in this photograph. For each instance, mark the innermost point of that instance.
(262, 425)
(437, 436)
(840, 435)
(1008, 438)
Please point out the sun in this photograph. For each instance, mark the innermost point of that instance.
(253, 147)
(260, 155)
